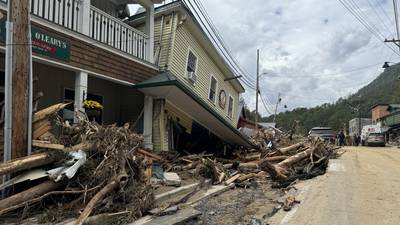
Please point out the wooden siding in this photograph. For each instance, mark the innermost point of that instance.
(183, 41)
(90, 57)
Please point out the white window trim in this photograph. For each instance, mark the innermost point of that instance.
(197, 65)
(233, 106)
(216, 89)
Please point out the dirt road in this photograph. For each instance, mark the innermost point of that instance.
(362, 187)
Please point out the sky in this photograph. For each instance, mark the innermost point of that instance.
(312, 51)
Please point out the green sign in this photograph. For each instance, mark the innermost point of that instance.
(44, 43)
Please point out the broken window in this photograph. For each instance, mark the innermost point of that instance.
(191, 67)
(213, 89)
(230, 107)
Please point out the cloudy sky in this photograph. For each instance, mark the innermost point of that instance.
(313, 51)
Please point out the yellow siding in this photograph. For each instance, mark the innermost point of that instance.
(206, 66)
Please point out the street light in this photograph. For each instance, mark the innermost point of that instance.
(386, 65)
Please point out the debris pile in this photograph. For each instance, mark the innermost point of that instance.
(89, 170)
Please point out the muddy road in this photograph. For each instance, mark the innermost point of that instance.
(360, 188)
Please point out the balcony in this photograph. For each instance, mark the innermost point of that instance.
(79, 16)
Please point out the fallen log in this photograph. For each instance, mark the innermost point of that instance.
(29, 194)
(248, 165)
(285, 150)
(29, 162)
(246, 177)
(276, 158)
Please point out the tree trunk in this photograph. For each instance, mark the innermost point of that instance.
(284, 151)
(29, 194)
(29, 162)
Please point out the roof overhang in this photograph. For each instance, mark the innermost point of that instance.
(166, 86)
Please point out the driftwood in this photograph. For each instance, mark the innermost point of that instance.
(284, 151)
(276, 158)
(29, 194)
(29, 162)
(45, 144)
(232, 179)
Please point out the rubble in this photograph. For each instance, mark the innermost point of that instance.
(92, 171)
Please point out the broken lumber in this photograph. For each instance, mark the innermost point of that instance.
(44, 113)
(44, 128)
(29, 194)
(148, 154)
(45, 144)
(29, 162)
(232, 179)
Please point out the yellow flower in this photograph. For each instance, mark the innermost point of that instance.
(90, 104)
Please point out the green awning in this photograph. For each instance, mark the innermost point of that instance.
(166, 85)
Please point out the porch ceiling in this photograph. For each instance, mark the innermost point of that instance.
(168, 87)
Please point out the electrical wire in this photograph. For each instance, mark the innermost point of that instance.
(232, 65)
(265, 105)
(380, 18)
(220, 38)
(365, 24)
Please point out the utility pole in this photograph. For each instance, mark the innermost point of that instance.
(19, 66)
(396, 19)
(257, 88)
(276, 106)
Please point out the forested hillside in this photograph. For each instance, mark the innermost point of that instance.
(384, 89)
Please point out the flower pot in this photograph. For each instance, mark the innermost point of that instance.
(91, 113)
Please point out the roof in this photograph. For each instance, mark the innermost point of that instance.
(169, 79)
(181, 6)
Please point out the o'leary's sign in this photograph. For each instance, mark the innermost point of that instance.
(44, 43)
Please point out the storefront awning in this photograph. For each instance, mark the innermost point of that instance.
(167, 86)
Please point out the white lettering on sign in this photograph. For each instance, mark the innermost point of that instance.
(50, 40)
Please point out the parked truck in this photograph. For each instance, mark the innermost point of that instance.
(369, 129)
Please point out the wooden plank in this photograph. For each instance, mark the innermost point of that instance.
(232, 179)
(148, 154)
(44, 144)
(41, 130)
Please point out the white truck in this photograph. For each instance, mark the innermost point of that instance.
(367, 129)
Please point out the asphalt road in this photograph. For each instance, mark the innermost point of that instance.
(360, 188)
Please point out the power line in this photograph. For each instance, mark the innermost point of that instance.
(384, 12)
(265, 105)
(380, 18)
(232, 65)
(365, 24)
(219, 37)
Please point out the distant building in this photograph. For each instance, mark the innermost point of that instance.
(268, 125)
(356, 124)
(380, 111)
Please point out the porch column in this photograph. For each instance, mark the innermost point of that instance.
(84, 17)
(149, 30)
(81, 83)
(148, 122)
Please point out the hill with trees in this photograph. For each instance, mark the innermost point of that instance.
(384, 89)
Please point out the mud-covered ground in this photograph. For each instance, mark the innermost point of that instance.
(240, 206)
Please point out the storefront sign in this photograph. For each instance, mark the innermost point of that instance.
(43, 42)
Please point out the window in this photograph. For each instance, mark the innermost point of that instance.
(191, 66)
(213, 89)
(230, 107)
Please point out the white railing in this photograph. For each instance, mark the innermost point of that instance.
(102, 26)
(113, 32)
(61, 12)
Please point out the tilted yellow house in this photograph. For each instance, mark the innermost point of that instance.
(192, 105)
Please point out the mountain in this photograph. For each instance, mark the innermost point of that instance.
(384, 89)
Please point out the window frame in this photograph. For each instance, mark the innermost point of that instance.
(196, 65)
(216, 89)
(233, 104)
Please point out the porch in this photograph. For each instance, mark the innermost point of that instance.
(105, 28)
